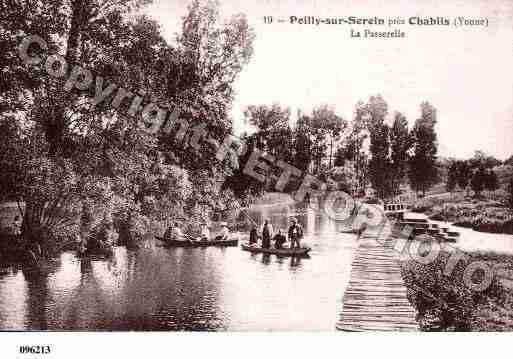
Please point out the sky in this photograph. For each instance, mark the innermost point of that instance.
(466, 73)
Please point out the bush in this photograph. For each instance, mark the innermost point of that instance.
(445, 303)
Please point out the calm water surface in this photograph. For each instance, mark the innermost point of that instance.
(188, 288)
(472, 241)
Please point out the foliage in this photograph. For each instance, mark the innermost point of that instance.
(423, 170)
(328, 128)
(463, 174)
(303, 144)
(452, 177)
(445, 303)
(244, 186)
(400, 145)
(79, 168)
(274, 135)
(481, 159)
(342, 178)
(510, 194)
(380, 162)
(509, 161)
(491, 181)
(477, 183)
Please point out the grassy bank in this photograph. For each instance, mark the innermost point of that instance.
(445, 303)
(484, 214)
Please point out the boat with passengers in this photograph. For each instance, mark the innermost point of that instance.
(283, 252)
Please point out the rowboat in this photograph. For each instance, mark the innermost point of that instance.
(350, 231)
(104, 251)
(198, 243)
(285, 252)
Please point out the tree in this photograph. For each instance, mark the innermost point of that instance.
(423, 171)
(380, 163)
(509, 161)
(66, 135)
(510, 194)
(452, 177)
(400, 144)
(79, 159)
(491, 181)
(481, 159)
(463, 174)
(344, 179)
(303, 143)
(328, 124)
(356, 151)
(244, 186)
(478, 181)
(273, 134)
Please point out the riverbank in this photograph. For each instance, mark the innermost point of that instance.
(483, 215)
(445, 303)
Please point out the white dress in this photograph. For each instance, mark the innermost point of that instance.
(177, 234)
(205, 233)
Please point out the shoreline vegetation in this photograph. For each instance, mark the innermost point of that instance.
(489, 215)
(445, 303)
(98, 175)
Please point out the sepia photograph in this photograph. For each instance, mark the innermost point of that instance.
(313, 166)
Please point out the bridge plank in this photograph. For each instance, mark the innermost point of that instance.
(375, 299)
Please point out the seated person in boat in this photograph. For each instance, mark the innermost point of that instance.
(295, 234)
(175, 233)
(224, 234)
(253, 236)
(168, 233)
(205, 232)
(279, 239)
(267, 234)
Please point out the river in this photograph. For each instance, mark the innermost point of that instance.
(197, 289)
(472, 241)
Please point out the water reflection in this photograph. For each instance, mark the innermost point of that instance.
(188, 289)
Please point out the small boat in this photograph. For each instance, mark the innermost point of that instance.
(104, 251)
(351, 231)
(198, 243)
(285, 252)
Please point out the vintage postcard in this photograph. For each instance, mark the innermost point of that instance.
(255, 166)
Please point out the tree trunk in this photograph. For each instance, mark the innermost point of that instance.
(55, 124)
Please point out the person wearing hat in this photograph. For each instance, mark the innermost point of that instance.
(267, 234)
(253, 235)
(224, 234)
(174, 233)
(295, 233)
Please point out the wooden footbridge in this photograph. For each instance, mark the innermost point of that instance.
(375, 299)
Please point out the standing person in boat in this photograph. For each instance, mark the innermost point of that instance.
(267, 234)
(279, 239)
(224, 234)
(295, 233)
(253, 235)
